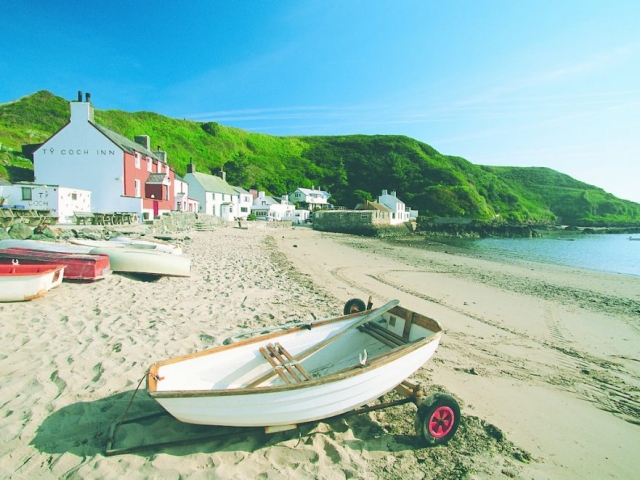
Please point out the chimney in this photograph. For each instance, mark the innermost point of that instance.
(191, 168)
(88, 97)
(393, 193)
(143, 140)
(81, 111)
(223, 175)
(384, 192)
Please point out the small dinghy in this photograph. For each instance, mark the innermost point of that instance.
(306, 373)
(19, 283)
(83, 267)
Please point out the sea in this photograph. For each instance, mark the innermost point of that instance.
(613, 253)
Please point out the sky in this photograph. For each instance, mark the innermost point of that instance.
(546, 83)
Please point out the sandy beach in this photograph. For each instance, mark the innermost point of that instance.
(544, 361)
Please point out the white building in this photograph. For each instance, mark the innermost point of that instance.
(245, 202)
(61, 201)
(183, 202)
(399, 214)
(214, 195)
(310, 198)
(123, 175)
(273, 209)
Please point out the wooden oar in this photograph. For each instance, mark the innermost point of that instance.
(318, 346)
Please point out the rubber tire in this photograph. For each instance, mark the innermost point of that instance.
(438, 419)
(354, 305)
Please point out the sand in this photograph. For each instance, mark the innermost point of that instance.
(544, 361)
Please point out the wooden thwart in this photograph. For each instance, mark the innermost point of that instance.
(284, 364)
(383, 335)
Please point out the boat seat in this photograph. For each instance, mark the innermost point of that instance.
(383, 335)
(285, 365)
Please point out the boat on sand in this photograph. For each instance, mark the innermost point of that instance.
(124, 242)
(79, 266)
(306, 373)
(148, 262)
(121, 259)
(19, 283)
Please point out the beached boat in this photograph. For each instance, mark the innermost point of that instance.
(124, 260)
(149, 262)
(43, 246)
(19, 283)
(305, 373)
(148, 245)
(79, 266)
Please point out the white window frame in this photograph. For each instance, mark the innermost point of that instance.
(137, 160)
(136, 188)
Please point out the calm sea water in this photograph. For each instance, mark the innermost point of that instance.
(609, 253)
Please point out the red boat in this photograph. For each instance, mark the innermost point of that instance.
(80, 266)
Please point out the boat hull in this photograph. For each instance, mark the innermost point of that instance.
(79, 266)
(215, 387)
(129, 260)
(20, 283)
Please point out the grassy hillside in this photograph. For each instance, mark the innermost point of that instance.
(353, 168)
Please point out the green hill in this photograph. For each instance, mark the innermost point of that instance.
(352, 167)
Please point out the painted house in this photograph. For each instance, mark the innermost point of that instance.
(270, 208)
(213, 194)
(245, 202)
(310, 198)
(399, 213)
(123, 175)
(183, 202)
(61, 201)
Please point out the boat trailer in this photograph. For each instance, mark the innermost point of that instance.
(437, 420)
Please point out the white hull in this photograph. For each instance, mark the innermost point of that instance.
(131, 260)
(96, 243)
(44, 246)
(215, 387)
(147, 245)
(22, 287)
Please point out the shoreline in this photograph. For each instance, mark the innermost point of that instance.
(541, 358)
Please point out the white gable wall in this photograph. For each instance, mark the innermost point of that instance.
(79, 156)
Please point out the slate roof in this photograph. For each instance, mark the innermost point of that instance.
(156, 178)
(124, 143)
(308, 191)
(211, 183)
(373, 206)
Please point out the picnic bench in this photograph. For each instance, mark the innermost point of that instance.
(83, 218)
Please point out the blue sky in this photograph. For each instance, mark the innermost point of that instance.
(518, 82)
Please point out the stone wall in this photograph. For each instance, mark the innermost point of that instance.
(371, 223)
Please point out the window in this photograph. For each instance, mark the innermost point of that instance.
(26, 193)
(137, 161)
(74, 196)
(149, 165)
(136, 188)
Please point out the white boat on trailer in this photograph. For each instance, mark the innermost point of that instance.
(308, 372)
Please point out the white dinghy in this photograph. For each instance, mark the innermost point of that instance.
(301, 374)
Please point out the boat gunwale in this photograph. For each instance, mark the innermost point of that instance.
(46, 269)
(377, 362)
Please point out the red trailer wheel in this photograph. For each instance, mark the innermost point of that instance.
(438, 419)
